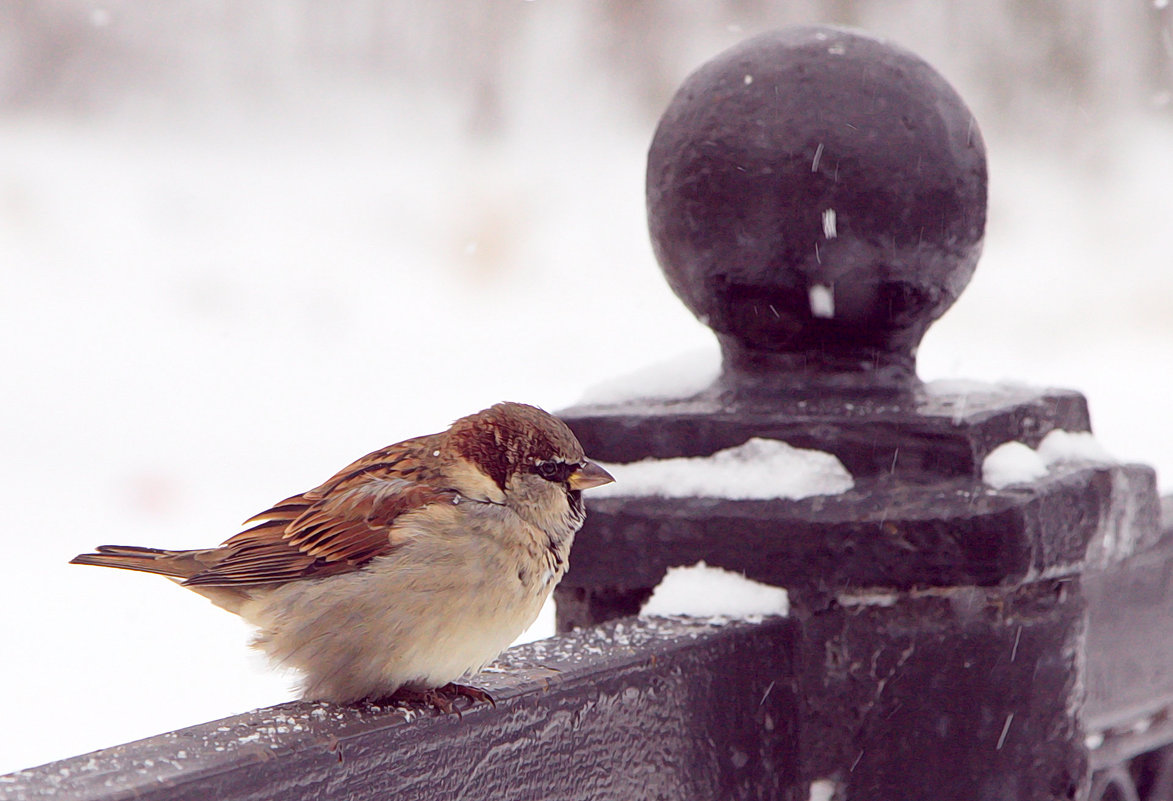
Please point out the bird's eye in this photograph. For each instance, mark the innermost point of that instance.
(554, 471)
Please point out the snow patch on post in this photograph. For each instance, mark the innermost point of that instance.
(703, 591)
(1012, 463)
(758, 469)
(1017, 463)
(680, 376)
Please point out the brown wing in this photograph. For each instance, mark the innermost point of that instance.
(334, 528)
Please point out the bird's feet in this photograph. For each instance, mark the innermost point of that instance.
(473, 694)
(443, 698)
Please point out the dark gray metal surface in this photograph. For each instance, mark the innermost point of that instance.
(670, 709)
(882, 534)
(1129, 678)
(958, 693)
(907, 434)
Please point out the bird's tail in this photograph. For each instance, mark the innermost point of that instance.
(176, 564)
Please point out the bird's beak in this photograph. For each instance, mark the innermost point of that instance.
(589, 475)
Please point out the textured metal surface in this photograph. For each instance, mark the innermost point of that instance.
(882, 534)
(961, 693)
(1129, 706)
(903, 434)
(636, 709)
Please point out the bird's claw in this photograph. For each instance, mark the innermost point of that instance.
(442, 698)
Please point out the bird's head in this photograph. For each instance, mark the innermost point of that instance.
(527, 459)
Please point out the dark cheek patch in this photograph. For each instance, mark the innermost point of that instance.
(483, 450)
(494, 461)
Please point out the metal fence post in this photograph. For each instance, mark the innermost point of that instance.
(818, 198)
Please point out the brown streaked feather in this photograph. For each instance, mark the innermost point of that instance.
(264, 564)
(283, 511)
(336, 527)
(333, 528)
(175, 564)
(401, 460)
(395, 461)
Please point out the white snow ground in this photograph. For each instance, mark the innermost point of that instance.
(201, 317)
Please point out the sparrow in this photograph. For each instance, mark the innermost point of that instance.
(409, 568)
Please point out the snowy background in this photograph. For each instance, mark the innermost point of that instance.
(241, 245)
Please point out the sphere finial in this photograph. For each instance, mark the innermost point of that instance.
(818, 198)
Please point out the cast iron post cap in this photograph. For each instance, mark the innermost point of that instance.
(818, 198)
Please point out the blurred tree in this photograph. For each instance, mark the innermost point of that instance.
(1030, 61)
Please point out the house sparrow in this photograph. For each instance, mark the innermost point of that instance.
(407, 569)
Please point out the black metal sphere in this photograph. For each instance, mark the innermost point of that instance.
(817, 197)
